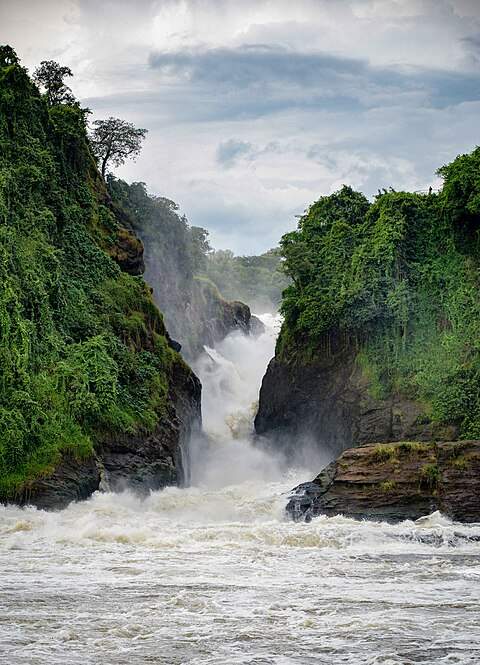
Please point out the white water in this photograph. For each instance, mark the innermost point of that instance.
(215, 574)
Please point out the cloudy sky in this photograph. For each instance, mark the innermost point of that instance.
(255, 108)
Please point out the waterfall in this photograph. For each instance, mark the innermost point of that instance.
(231, 376)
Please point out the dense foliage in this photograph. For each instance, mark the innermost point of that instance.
(256, 280)
(398, 279)
(175, 246)
(83, 353)
(174, 254)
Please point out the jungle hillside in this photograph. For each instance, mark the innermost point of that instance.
(397, 280)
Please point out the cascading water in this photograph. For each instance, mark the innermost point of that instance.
(214, 573)
(231, 375)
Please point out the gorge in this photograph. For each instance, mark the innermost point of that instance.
(158, 436)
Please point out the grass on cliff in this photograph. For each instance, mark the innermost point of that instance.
(83, 354)
(397, 282)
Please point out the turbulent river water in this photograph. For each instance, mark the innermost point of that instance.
(215, 573)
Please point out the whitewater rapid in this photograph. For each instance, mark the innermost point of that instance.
(214, 573)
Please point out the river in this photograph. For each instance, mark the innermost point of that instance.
(216, 574)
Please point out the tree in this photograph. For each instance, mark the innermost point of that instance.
(50, 76)
(8, 56)
(115, 140)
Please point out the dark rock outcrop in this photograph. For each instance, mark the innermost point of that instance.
(394, 482)
(326, 405)
(256, 326)
(128, 252)
(71, 480)
(139, 462)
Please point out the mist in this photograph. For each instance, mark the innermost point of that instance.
(228, 452)
(231, 375)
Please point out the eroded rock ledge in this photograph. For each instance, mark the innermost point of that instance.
(394, 482)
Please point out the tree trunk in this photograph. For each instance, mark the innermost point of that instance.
(104, 166)
(106, 158)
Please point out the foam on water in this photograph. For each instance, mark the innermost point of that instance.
(215, 574)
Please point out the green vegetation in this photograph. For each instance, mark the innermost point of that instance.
(388, 486)
(409, 447)
(178, 249)
(396, 281)
(175, 258)
(461, 463)
(429, 476)
(392, 452)
(255, 280)
(83, 353)
(384, 453)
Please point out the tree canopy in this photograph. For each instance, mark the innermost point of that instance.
(397, 280)
(114, 141)
(8, 56)
(50, 76)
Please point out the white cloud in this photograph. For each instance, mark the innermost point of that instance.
(256, 108)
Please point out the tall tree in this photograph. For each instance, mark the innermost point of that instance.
(50, 76)
(115, 140)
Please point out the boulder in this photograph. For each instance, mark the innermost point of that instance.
(394, 482)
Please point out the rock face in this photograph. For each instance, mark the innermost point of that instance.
(137, 462)
(396, 481)
(198, 316)
(327, 406)
(128, 252)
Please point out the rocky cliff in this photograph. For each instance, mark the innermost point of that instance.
(205, 318)
(327, 405)
(394, 482)
(196, 313)
(93, 393)
(140, 462)
(380, 336)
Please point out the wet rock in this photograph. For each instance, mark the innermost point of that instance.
(127, 251)
(71, 480)
(326, 405)
(195, 313)
(173, 344)
(394, 482)
(256, 326)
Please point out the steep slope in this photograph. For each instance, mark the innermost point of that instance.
(91, 392)
(380, 340)
(195, 312)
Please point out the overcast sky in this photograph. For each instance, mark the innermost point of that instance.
(255, 108)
